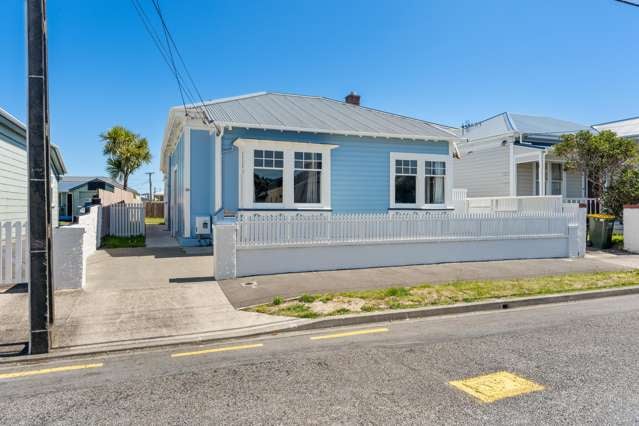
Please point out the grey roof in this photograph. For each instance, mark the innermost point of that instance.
(69, 183)
(316, 114)
(508, 122)
(628, 128)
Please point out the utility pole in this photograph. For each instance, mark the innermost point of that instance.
(40, 283)
(150, 185)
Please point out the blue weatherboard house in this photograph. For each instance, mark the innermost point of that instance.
(273, 153)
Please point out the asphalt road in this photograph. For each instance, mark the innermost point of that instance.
(584, 354)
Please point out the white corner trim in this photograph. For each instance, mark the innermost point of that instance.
(186, 204)
(420, 180)
(218, 169)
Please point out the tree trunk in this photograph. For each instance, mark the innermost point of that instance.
(125, 181)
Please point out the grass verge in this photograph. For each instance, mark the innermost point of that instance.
(154, 220)
(322, 305)
(110, 242)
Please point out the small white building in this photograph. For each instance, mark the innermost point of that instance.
(13, 171)
(509, 155)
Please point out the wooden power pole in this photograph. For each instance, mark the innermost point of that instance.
(40, 282)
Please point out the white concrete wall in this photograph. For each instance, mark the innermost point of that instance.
(72, 245)
(300, 259)
(631, 228)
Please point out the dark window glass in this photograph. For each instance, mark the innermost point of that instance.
(405, 192)
(308, 186)
(268, 185)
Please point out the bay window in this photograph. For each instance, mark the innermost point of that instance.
(419, 181)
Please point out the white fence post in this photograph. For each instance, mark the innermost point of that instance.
(225, 245)
(13, 253)
(631, 228)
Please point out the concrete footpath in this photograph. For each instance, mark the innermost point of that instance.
(263, 289)
(135, 294)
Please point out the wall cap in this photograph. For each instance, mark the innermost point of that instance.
(631, 206)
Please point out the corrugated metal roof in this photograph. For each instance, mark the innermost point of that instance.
(319, 115)
(508, 122)
(626, 128)
(68, 183)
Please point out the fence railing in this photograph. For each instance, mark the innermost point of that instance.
(363, 228)
(593, 205)
(14, 256)
(124, 220)
(514, 204)
(154, 208)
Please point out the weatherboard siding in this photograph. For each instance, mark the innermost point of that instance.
(202, 175)
(13, 177)
(360, 166)
(485, 172)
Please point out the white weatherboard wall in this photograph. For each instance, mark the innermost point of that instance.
(484, 171)
(72, 245)
(13, 182)
(631, 228)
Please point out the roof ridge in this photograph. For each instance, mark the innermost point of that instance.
(430, 123)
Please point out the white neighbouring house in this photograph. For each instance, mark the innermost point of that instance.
(626, 128)
(510, 155)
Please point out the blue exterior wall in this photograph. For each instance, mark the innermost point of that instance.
(176, 159)
(360, 171)
(360, 167)
(202, 175)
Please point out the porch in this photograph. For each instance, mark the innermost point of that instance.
(537, 173)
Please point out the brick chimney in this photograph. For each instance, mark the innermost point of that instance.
(352, 98)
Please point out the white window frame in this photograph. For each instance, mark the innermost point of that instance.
(420, 186)
(246, 188)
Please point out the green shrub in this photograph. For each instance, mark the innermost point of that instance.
(307, 298)
(278, 300)
(396, 292)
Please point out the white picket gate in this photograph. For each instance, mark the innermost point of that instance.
(14, 255)
(126, 220)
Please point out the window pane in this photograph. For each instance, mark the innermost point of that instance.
(268, 154)
(435, 168)
(278, 164)
(268, 185)
(259, 153)
(258, 162)
(406, 167)
(268, 162)
(308, 160)
(555, 188)
(299, 156)
(307, 186)
(405, 189)
(279, 155)
(299, 164)
(556, 171)
(434, 190)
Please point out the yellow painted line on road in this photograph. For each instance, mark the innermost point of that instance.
(496, 386)
(49, 370)
(214, 350)
(350, 333)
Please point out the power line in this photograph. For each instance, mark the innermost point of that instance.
(167, 54)
(628, 2)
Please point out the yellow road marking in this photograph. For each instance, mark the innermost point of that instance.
(496, 386)
(49, 370)
(350, 333)
(214, 350)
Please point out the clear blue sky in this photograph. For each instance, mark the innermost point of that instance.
(445, 61)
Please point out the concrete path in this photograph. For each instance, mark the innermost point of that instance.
(292, 285)
(159, 236)
(132, 294)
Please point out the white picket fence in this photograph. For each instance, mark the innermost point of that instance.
(264, 231)
(125, 220)
(14, 255)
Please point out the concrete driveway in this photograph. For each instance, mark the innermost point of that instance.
(135, 294)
